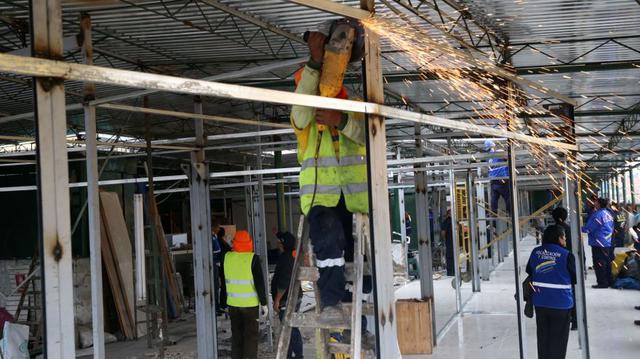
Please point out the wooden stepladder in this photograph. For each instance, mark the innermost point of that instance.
(354, 272)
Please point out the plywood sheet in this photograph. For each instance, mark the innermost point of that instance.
(117, 236)
(414, 327)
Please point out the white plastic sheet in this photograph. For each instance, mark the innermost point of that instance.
(15, 341)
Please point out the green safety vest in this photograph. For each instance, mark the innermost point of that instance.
(241, 291)
(346, 175)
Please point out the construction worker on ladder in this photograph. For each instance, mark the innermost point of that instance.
(333, 181)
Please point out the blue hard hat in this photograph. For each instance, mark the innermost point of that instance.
(488, 144)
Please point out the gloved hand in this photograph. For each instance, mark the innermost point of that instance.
(264, 312)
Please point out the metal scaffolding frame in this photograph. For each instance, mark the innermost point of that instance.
(52, 151)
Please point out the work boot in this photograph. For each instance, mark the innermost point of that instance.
(333, 316)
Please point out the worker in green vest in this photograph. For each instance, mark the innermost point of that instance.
(333, 181)
(246, 296)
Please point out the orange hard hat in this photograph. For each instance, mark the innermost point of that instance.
(242, 242)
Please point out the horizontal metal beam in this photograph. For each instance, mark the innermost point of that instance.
(68, 71)
(224, 76)
(253, 20)
(579, 67)
(334, 8)
(191, 116)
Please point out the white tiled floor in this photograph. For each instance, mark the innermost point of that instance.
(488, 327)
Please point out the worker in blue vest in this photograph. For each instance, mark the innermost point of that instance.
(599, 226)
(552, 270)
(246, 296)
(499, 184)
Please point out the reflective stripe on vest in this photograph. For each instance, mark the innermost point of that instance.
(335, 177)
(551, 285)
(241, 291)
(331, 262)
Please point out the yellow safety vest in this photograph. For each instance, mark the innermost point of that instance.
(241, 291)
(343, 174)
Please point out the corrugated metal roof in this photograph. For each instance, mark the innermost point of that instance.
(196, 39)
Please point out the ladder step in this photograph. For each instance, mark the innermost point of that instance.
(345, 348)
(310, 320)
(311, 274)
(367, 308)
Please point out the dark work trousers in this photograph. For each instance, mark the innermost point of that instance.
(500, 188)
(216, 285)
(295, 345)
(602, 257)
(244, 332)
(552, 329)
(330, 231)
(574, 313)
(223, 289)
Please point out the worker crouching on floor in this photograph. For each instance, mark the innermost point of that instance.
(552, 270)
(246, 296)
(333, 181)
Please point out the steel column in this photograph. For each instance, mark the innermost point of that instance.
(138, 235)
(53, 185)
(624, 187)
(93, 196)
(260, 239)
(379, 217)
(423, 234)
(515, 233)
(203, 266)
(632, 187)
(578, 251)
(456, 239)
(403, 225)
(473, 233)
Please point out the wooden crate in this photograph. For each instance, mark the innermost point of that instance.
(414, 326)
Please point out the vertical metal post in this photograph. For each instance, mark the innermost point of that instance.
(260, 238)
(248, 202)
(473, 233)
(93, 197)
(632, 186)
(423, 232)
(403, 225)
(624, 187)
(578, 252)
(515, 233)
(482, 230)
(203, 266)
(455, 238)
(515, 226)
(289, 201)
(138, 235)
(572, 197)
(53, 185)
(379, 217)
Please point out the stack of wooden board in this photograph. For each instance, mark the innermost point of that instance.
(173, 290)
(117, 261)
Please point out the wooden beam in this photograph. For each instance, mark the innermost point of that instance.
(379, 216)
(70, 71)
(53, 186)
